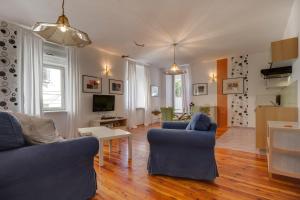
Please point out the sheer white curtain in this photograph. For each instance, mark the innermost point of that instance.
(186, 90)
(131, 94)
(72, 93)
(147, 117)
(30, 61)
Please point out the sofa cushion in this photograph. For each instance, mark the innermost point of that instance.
(38, 130)
(11, 135)
(199, 122)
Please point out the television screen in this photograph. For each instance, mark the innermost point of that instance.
(103, 103)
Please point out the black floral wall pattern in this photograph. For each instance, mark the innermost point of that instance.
(239, 102)
(8, 67)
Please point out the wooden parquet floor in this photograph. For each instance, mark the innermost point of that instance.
(243, 176)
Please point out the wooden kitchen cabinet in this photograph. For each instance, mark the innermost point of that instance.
(271, 113)
(285, 49)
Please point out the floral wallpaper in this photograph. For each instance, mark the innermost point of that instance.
(8, 67)
(239, 102)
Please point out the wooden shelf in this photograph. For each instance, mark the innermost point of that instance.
(118, 122)
(284, 173)
(283, 160)
(286, 151)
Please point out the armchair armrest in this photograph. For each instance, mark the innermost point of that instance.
(175, 125)
(188, 138)
(32, 161)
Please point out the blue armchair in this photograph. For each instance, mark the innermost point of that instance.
(60, 171)
(177, 152)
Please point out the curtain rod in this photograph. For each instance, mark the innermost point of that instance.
(138, 62)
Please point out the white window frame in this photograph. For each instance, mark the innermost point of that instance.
(174, 95)
(63, 89)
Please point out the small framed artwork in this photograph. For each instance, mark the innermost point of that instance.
(233, 86)
(154, 91)
(116, 86)
(91, 84)
(200, 89)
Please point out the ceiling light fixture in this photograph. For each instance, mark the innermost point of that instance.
(61, 32)
(174, 69)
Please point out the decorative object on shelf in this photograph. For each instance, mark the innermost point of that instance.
(174, 69)
(107, 71)
(154, 91)
(213, 77)
(200, 89)
(156, 112)
(116, 86)
(233, 86)
(61, 32)
(191, 106)
(91, 84)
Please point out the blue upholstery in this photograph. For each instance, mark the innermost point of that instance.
(199, 122)
(182, 153)
(11, 135)
(177, 125)
(59, 171)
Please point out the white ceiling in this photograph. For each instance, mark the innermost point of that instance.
(204, 28)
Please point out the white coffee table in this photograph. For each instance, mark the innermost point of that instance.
(103, 133)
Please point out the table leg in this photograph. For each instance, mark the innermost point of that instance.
(129, 147)
(101, 163)
(110, 146)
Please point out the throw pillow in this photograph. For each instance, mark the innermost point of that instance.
(199, 122)
(10, 132)
(38, 130)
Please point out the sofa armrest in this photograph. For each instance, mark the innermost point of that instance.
(175, 125)
(213, 127)
(187, 138)
(33, 161)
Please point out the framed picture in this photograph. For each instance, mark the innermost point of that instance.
(200, 89)
(116, 86)
(91, 84)
(154, 91)
(233, 86)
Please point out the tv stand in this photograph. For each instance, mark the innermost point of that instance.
(104, 118)
(110, 122)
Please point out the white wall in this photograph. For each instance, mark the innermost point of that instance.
(201, 70)
(92, 62)
(156, 76)
(293, 30)
(256, 84)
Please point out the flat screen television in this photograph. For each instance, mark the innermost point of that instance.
(103, 103)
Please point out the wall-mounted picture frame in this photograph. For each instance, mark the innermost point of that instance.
(154, 91)
(233, 85)
(116, 86)
(91, 84)
(200, 89)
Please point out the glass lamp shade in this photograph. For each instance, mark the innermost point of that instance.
(175, 70)
(62, 33)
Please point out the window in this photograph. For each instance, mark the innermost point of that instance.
(178, 93)
(53, 87)
(140, 86)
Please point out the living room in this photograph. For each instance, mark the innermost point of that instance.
(115, 99)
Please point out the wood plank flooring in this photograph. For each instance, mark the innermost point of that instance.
(243, 176)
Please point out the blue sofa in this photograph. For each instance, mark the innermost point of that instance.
(175, 151)
(59, 171)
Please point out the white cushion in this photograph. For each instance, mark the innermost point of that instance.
(38, 130)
